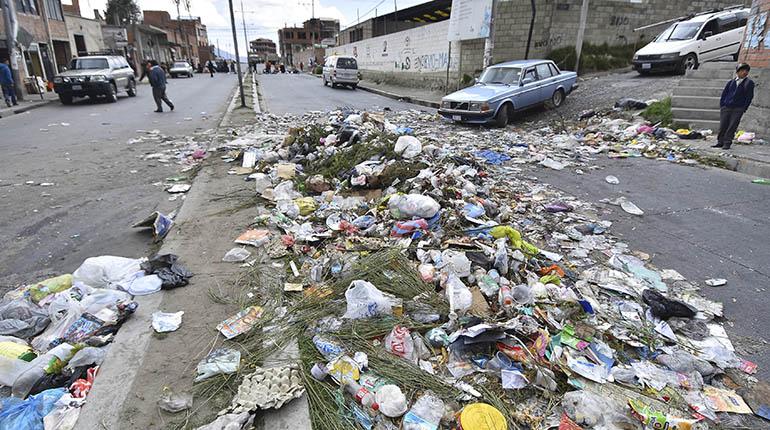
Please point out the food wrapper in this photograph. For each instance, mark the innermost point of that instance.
(656, 419)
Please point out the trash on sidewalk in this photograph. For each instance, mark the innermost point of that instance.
(236, 255)
(179, 188)
(174, 402)
(221, 361)
(716, 282)
(160, 224)
(241, 322)
(267, 389)
(164, 322)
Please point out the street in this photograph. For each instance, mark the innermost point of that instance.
(101, 184)
(297, 94)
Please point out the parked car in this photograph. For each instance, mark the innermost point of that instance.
(340, 70)
(181, 68)
(95, 76)
(687, 43)
(508, 87)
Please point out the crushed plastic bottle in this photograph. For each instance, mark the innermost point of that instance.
(425, 413)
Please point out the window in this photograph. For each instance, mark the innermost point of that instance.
(27, 6)
(301, 35)
(679, 31)
(530, 76)
(728, 22)
(711, 26)
(543, 71)
(347, 63)
(88, 63)
(743, 18)
(500, 75)
(54, 9)
(554, 70)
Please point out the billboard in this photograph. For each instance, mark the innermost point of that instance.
(470, 19)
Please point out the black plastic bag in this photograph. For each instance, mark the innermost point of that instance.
(626, 103)
(172, 273)
(665, 308)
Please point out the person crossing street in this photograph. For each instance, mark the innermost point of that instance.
(157, 77)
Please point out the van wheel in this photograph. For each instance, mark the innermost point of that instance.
(65, 100)
(501, 119)
(131, 90)
(354, 86)
(689, 62)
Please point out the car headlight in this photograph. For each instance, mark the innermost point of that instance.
(445, 104)
(98, 78)
(636, 57)
(57, 80)
(476, 106)
(669, 56)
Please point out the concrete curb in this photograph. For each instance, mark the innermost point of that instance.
(741, 163)
(407, 99)
(4, 113)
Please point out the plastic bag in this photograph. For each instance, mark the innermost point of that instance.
(42, 289)
(65, 413)
(459, 296)
(364, 300)
(107, 271)
(261, 182)
(21, 318)
(306, 205)
(399, 342)
(143, 285)
(406, 206)
(425, 413)
(86, 357)
(29, 414)
(456, 263)
(408, 146)
(164, 322)
(219, 361)
(169, 270)
(236, 255)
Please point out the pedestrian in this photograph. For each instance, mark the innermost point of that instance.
(157, 78)
(210, 66)
(736, 98)
(232, 66)
(144, 67)
(301, 66)
(6, 80)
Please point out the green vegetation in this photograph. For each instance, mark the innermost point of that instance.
(594, 58)
(659, 112)
(318, 70)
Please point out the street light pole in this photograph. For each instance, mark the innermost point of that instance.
(237, 57)
(9, 19)
(245, 35)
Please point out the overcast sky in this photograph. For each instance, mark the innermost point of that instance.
(263, 17)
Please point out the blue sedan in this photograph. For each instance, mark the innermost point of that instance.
(506, 88)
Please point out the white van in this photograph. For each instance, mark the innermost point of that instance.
(340, 70)
(689, 42)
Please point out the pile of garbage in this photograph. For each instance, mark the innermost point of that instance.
(54, 334)
(428, 283)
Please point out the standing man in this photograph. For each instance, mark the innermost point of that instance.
(157, 78)
(736, 98)
(210, 66)
(6, 80)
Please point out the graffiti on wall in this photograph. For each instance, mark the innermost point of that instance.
(755, 31)
(553, 41)
(617, 21)
(419, 50)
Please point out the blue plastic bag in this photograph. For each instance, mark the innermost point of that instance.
(28, 414)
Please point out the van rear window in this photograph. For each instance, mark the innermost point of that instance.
(346, 63)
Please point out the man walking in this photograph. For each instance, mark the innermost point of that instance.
(211, 67)
(736, 98)
(157, 79)
(6, 80)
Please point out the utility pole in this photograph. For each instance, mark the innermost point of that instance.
(51, 52)
(581, 32)
(489, 42)
(237, 57)
(245, 35)
(11, 27)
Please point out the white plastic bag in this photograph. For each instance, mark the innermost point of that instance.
(107, 271)
(399, 342)
(459, 296)
(219, 361)
(364, 300)
(164, 322)
(409, 206)
(455, 263)
(143, 285)
(408, 146)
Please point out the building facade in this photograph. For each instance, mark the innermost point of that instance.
(186, 36)
(85, 34)
(261, 49)
(316, 31)
(43, 41)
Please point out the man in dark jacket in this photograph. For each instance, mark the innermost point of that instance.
(6, 81)
(157, 79)
(736, 98)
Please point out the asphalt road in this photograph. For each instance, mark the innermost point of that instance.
(703, 223)
(102, 185)
(299, 93)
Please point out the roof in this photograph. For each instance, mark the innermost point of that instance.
(519, 63)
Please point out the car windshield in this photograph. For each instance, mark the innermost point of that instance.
(88, 63)
(346, 63)
(500, 75)
(679, 31)
(183, 64)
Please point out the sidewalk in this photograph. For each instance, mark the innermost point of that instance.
(753, 160)
(31, 101)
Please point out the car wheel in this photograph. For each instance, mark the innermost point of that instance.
(689, 62)
(131, 91)
(556, 99)
(354, 86)
(112, 96)
(501, 119)
(65, 100)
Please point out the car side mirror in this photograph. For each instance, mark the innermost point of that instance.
(706, 34)
(475, 81)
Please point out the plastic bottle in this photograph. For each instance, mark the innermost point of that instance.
(425, 413)
(362, 395)
(506, 297)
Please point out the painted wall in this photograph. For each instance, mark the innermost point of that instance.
(90, 29)
(755, 50)
(415, 57)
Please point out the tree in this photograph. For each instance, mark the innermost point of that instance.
(122, 11)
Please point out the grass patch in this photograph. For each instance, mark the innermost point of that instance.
(659, 113)
(376, 146)
(593, 58)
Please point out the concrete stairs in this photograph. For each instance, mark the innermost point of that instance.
(695, 101)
